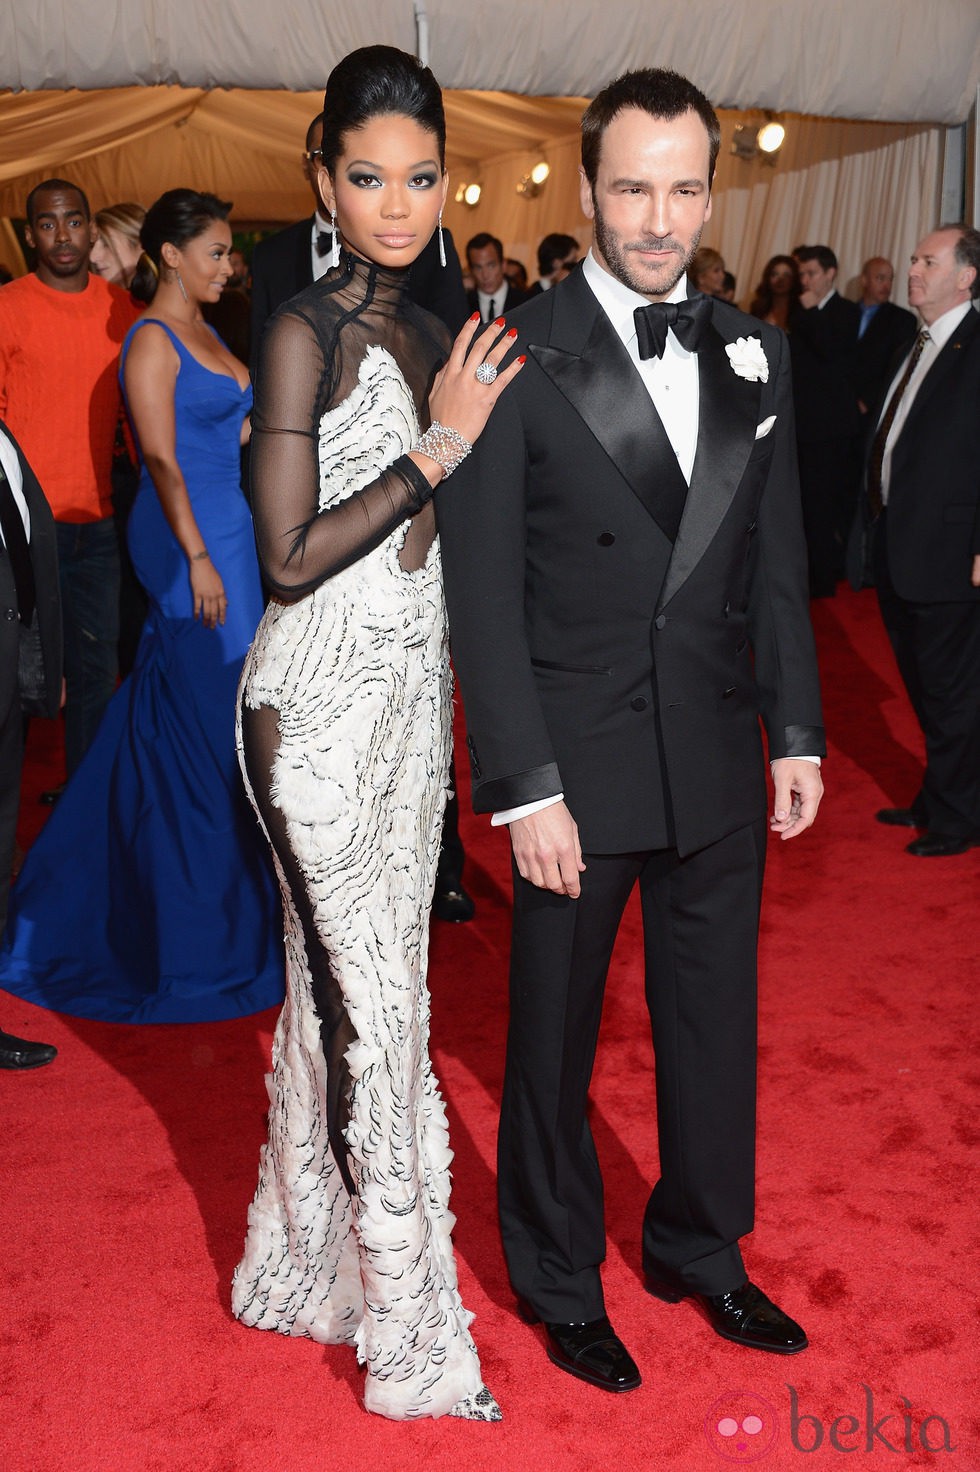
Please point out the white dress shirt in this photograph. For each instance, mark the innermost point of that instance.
(15, 479)
(939, 335)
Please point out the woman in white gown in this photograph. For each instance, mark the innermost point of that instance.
(344, 739)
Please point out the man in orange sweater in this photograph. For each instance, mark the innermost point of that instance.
(60, 333)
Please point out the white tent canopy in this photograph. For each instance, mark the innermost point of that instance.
(882, 60)
(131, 97)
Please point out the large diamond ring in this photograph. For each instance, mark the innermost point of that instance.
(486, 373)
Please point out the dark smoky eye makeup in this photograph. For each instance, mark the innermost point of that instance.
(427, 179)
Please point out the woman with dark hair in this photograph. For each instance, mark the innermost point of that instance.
(148, 896)
(345, 730)
(778, 292)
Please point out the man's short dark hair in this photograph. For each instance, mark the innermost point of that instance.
(553, 250)
(52, 185)
(661, 93)
(481, 241)
(966, 251)
(822, 254)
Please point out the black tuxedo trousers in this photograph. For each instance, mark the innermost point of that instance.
(700, 922)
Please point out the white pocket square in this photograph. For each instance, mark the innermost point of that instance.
(764, 428)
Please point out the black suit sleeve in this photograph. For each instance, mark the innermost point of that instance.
(480, 511)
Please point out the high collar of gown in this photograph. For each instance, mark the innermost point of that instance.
(370, 287)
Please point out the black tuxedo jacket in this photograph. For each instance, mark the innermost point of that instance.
(282, 265)
(617, 636)
(890, 331)
(44, 560)
(507, 299)
(823, 345)
(933, 520)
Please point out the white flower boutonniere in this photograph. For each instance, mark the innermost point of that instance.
(748, 359)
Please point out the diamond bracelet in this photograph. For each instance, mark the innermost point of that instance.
(443, 445)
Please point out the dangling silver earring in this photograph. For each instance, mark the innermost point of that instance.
(334, 260)
(442, 243)
(180, 284)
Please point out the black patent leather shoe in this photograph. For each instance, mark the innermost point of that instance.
(745, 1316)
(897, 818)
(18, 1053)
(453, 904)
(938, 846)
(591, 1351)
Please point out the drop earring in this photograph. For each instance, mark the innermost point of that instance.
(442, 243)
(180, 283)
(334, 260)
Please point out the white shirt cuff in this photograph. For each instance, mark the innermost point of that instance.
(814, 759)
(510, 815)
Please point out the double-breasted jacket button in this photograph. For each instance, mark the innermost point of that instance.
(639, 702)
(660, 622)
(605, 539)
(10, 613)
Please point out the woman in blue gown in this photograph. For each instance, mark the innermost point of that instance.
(148, 896)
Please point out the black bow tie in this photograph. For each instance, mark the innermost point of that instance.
(324, 240)
(687, 319)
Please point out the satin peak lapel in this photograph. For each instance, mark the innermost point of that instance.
(728, 414)
(590, 367)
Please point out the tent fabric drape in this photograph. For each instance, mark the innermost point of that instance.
(878, 59)
(865, 188)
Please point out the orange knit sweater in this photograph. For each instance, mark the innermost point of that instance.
(59, 394)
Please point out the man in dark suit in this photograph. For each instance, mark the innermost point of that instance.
(493, 294)
(29, 598)
(823, 342)
(919, 529)
(557, 255)
(884, 330)
(626, 580)
(288, 262)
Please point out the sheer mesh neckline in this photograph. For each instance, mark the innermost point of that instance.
(368, 287)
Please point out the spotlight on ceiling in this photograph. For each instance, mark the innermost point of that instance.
(750, 141)
(468, 194)
(770, 137)
(532, 183)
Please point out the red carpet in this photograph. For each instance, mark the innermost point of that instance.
(131, 1160)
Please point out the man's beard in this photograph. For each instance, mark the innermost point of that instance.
(615, 253)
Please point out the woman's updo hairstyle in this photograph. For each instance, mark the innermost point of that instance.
(378, 81)
(177, 218)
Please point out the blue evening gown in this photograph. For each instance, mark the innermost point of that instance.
(149, 895)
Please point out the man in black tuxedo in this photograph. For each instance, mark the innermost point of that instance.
(29, 597)
(493, 294)
(919, 531)
(288, 262)
(884, 330)
(625, 573)
(823, 342)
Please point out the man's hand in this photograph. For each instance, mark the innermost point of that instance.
(799, 788)
(547, 850)
(975, 575)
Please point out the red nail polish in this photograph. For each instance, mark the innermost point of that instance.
(522, 358)
(475, 317)
(512, 332)
(500, 322)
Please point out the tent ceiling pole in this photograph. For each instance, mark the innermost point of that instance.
(421, 33)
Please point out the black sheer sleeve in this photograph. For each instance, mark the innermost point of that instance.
(307, 366)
